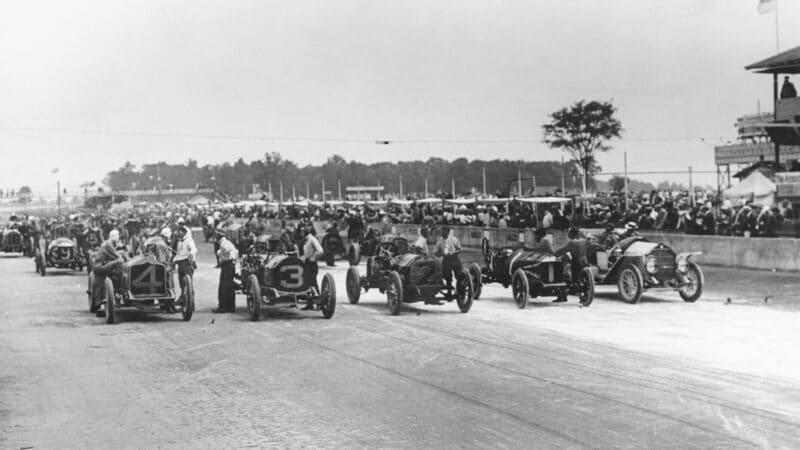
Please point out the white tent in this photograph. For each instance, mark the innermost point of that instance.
(756, 186)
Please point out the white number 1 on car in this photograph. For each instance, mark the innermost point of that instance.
(292, 276)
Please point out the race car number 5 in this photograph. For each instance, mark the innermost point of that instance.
(292, 277)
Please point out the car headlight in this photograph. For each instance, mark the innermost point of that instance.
(650, 264)
(683, 265)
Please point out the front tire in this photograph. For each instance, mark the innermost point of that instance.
(42, 264)
(520, 288)
(585, 285)
(694, 289)
(188, 298)
(394, 293)
(327, 296)
(464, 292)
(111, 303)
(92, 307)
(253, 297)
(353, 285)
(630, 284)
(477, 282)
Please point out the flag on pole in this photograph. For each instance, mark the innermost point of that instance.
(766, 6)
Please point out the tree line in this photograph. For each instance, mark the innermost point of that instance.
(236, 179)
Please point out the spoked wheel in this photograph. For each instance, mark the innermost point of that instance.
(354, 254)
(464, 292)
(253, 297)
(92, 307)
(477, 282)
(111, 303)
(520, 288)
(394, 293)
(585, 287)
(692, 291)
(327, 296)
(187, 294)
(353, 285)
(630, 284)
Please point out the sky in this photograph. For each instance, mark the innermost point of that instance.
(88, 85)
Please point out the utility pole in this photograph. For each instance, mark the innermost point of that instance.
(281, 187)
(401, 186)
(58, 187)
(308, 191)
(563, 178)
(323, 189)
(625, 155)
(519, 179)
(484, 181)
(691, 189)
(426, 186)
(340, 188)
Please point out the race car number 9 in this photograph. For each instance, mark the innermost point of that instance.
(291, 276)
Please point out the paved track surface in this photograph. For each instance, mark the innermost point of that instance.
(661, 374)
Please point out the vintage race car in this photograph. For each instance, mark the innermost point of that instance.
(12, 241)
(146, 284)
(385, 255)
(271, 279)
(410, 278)
(61, 253)
(536, 274)
(636, 264)
(334, 245)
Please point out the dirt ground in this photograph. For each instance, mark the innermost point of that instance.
(660, 374)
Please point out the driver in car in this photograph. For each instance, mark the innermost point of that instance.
(106, 263)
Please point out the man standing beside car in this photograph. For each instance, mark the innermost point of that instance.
(185, 254)
(449, 248)
(312, 251)
(226, 293)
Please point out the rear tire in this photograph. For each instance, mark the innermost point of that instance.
(697, 279)
(188, 298)
(111, 303)
(327, 296)
(394, 293)
(354, 254)
(353, 285)
(464, 292)
(485, 246)
(520, 288)
(253, 297)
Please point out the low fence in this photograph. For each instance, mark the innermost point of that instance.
(748, 253)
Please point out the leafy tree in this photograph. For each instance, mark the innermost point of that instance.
(617, 183)
(24, 194)
(583, 130)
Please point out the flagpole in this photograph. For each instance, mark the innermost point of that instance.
(777, 34)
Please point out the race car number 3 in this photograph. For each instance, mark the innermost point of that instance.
(291, 276)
